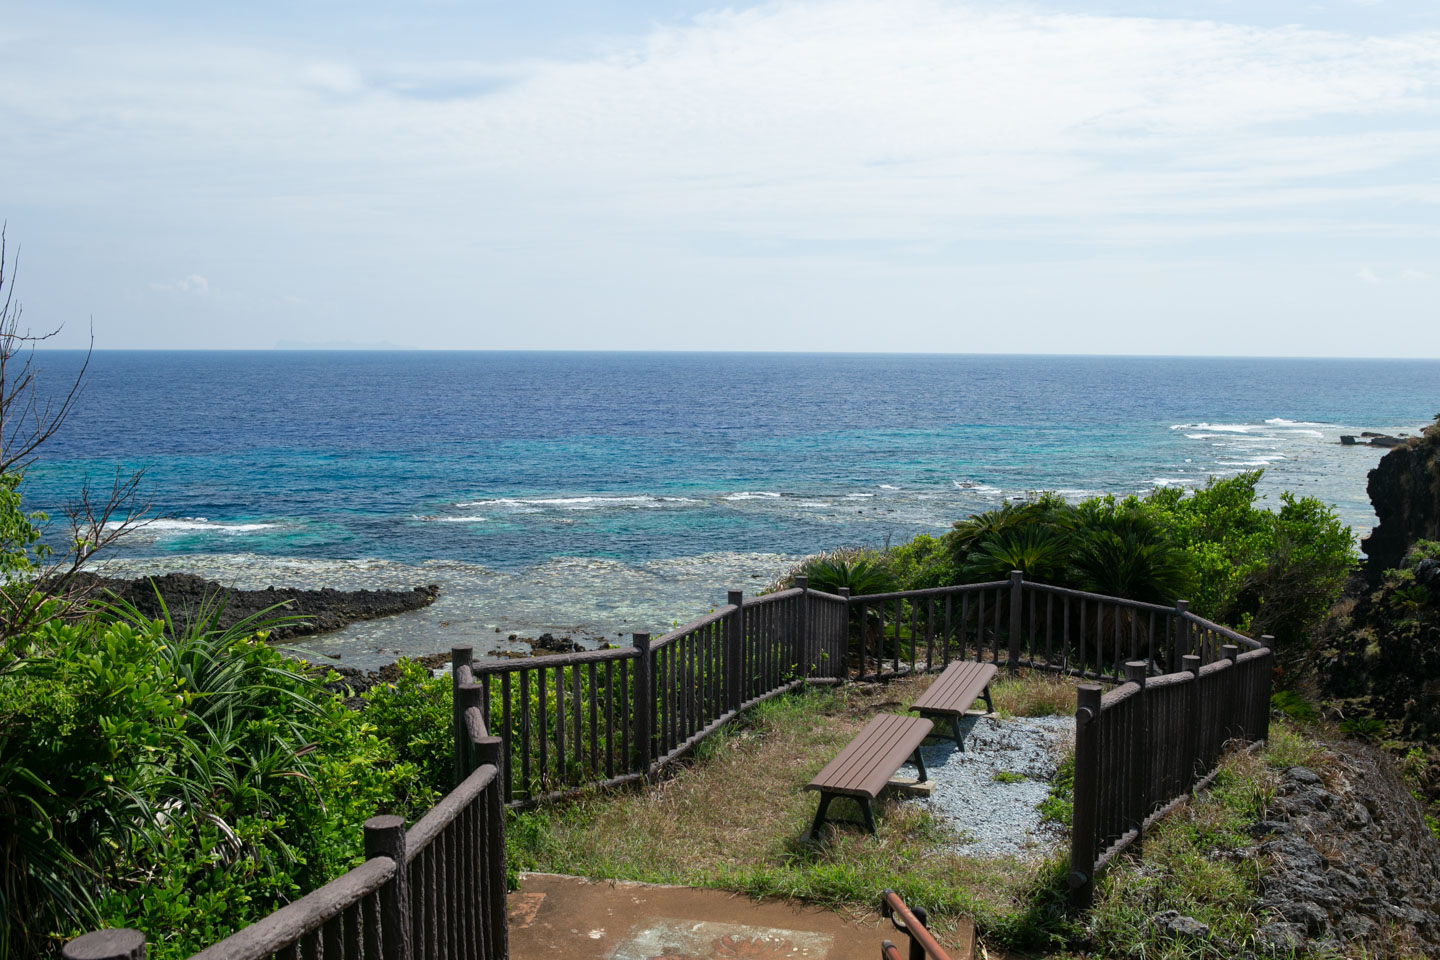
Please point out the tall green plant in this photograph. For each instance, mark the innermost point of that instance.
(1122, 550)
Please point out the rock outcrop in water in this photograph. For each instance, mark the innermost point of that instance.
(1404, 489)
(186, 596)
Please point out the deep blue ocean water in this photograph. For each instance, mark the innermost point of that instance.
(603, 491)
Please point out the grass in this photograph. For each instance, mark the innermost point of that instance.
(736, 821)
(1033, 693)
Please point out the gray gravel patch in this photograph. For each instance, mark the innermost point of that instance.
(995, 819)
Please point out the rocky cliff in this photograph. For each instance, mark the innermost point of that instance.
(1405, 491)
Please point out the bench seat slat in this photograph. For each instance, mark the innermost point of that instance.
(869, 761)
(956, 689)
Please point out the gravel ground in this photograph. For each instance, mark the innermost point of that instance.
(992, 818)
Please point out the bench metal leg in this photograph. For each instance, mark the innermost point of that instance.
(819, 823)
(867, 809)
(989, 704)
(919, 762)
(955, 732)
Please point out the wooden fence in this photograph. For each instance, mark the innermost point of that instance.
(538, 729)
(1149, 743)
(574, 721)
(433, 892)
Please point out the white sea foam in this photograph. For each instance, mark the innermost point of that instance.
(475, 519)
(1171, 481)
(886, 486)
(752, 495)
(1282, 422)
(531, 504)
(196, 524)
(865, 496)
(1217, 427)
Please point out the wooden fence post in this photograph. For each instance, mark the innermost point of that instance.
(807, 654)
(1181, 645)
(1190, 663)
(468, 696)
(1087, 796)
(734, 650)
(385, 837)
(644, 703)
(1017, 587)
(1140, 801)
(1262, 695)
(1233, 728)
(842, 653)
(460, 656)
(119, 944)
(490, 750)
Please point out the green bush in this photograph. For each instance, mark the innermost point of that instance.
(920, 564)
(413, 713)
(184, 782)
(1274, 572)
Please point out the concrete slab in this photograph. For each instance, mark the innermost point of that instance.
(554, 916)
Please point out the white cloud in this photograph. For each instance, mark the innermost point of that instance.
(194, 285)
(857, 117)
(1369, 276)
(337, 78)
(791, 139)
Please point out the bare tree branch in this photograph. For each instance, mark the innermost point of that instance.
(48, 591)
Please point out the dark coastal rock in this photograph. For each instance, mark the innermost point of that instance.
(552, 644)
(1404, 489)
(1355, 863)
(185, 596)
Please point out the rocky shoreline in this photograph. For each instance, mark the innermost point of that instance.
(186, 597)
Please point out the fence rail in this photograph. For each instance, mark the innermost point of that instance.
(532, 730)
(1147, 744)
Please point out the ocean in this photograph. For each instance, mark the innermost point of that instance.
(595, 494)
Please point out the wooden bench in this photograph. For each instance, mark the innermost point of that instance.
(867, 763)
(954, 692)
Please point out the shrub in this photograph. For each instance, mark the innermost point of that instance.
(184, 782)
(921, 563)
(413, 713)
(862, 574)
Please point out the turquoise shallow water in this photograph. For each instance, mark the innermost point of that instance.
(610, 492)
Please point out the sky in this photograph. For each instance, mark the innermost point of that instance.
(960, 176)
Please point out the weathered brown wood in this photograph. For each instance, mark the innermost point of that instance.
(644, 703)
(868, 762)
(594, 720)
(525, 732)
(118, 944)
(1017, 589)
(954, 692)
(1086, 796)
(548, 661)
(560, 720)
